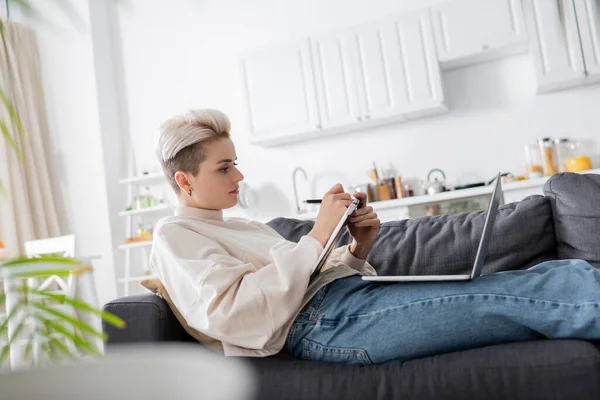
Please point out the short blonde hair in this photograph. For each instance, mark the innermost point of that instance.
(179, 145)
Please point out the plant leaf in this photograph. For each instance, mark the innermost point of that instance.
(12, 112)
(106, 316)
(38, 267)
(11, 340)
(10, 315)
(11, 141)
(78, 340)
(28, 347)
(62, 347)
(46, 259)
(73, 321)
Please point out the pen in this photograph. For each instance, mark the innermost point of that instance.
(313, 201)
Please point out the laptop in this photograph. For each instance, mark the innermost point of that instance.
(334, 238)
(481, 251)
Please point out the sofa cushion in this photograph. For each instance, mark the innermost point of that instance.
(523, 236)
(156, 286)
(545, 369)
(575, 202)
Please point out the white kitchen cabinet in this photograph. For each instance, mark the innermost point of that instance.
(383, 71)
(280, 91)
(334, 58)
(554, 44)
(470, 31)
(400, 74)
(588, 20)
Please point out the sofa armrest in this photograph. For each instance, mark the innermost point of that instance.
(148, 318)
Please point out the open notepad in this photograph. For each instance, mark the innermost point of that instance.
(333, 239)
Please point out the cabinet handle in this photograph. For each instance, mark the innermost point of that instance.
(318, 126)
(359, 118)
(367, 117)
(485, 47)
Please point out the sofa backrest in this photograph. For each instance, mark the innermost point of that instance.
(575, 203)
(523, 236)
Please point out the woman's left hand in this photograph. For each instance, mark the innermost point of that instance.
(363, 226)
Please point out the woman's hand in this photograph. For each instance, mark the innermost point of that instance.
(363, 226)
(334, 205)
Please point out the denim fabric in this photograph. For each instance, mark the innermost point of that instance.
(358, 322)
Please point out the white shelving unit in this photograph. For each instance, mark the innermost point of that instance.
(141, 248)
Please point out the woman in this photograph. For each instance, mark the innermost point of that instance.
(239, 282)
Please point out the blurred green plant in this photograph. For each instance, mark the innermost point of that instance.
(38, 316)
(61, 335)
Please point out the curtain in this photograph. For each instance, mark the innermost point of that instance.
(27, 210)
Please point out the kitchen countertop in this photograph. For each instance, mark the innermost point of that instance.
(448, 195)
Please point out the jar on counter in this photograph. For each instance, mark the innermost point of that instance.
(547, 151)
(533, 158)
(577, 158)
(562, 146)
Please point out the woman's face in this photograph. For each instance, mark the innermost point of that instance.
(216, 185)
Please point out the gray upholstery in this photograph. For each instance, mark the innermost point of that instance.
(523, 236)
(564, 224)
(575, 201)
(539, 370)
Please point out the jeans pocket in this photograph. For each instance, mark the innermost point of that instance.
(316, 352)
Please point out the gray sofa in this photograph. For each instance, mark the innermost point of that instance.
(562, 224)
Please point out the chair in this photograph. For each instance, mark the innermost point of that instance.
(63, 246)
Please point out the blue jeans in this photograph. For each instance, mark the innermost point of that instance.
(358, 322)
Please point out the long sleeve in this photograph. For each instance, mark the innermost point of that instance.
(342, 255)
(229, 299)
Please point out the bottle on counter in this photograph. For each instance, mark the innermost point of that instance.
(548, 156)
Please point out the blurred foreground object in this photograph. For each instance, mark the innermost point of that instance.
(165, 371)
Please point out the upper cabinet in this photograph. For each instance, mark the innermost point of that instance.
(564, 40)
(588, 19)
(399, 71)
(334, 60)
(554, 43)
(280, 91)
(468, 31)
(337, 82)
(382, 71)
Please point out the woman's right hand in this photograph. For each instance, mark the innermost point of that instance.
(333, 206)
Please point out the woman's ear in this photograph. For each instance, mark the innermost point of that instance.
(182, 181)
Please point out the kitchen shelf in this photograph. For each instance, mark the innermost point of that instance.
(156, 176)
(450, 195)
(148, 210)
(146, 243)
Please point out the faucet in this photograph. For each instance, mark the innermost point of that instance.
(298, 169)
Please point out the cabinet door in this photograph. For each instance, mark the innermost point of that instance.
(335, 72)
(588, 19)
(398, 74)
(554, 44)
(412, 35)
(468, 31)
(280, 91)
(380, 78)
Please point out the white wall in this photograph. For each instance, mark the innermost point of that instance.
(77, 165)
(186, 55)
